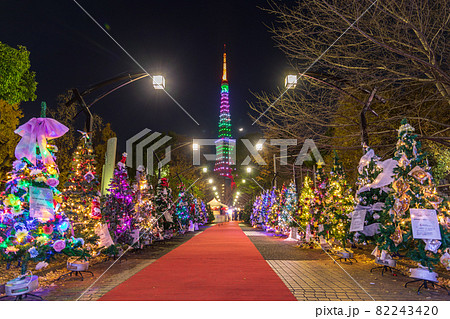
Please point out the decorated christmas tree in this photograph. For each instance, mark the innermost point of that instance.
(303, 216)
(196, 211)
(268, 200)
(274, 210)
(144, 209)
(164, 207)
(374, 177)
(339, 205)
(288, 207)
(183, 209)
(118, 206)
(203, 213)
(200, 212)
(81, 193)
(210, 214)
(414, 221)
(33, 227)
(255, 217)
(318, 206)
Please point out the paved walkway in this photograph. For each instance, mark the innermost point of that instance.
(251, 262)
(220, 263)
(312, 275)
(71, 288)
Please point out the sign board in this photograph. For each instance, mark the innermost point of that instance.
(424, 224)
(41, 203)
(357, 223)
(168, 217)
(105, 237)
(308, 233)
(135, 235)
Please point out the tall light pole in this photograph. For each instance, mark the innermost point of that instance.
(159, 82)
(291, 83)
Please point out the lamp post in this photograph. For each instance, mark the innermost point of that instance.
(159, 82)
(291, 82)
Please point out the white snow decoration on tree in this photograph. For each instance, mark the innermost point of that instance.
(384, 178)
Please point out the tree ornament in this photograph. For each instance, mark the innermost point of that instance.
(124, 158)
(164, 182)
(403, 161)
(35, 134)
(397, 236)
(96, 213)
(401, 205)
(435, 201)
(89, 177)
(400, 186)
(432, 245)
(419, 174)
(445, 260)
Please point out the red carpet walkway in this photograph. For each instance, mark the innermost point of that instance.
(219, 264)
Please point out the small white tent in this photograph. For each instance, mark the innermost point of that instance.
(215, 204)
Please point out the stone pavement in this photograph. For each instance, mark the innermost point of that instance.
(312, 275)
(308, 273)
(71, 288)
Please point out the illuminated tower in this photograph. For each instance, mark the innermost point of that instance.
(225, 144)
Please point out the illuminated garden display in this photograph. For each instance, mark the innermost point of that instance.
(81, 193)
(33, 225)
(118, 208)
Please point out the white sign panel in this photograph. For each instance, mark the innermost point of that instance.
(358, 217)
(308, 233)
(135, 235)
(425, 224)
(41, 203)
(168, 217)
(105, 238)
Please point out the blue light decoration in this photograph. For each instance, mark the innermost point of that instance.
(63, 226)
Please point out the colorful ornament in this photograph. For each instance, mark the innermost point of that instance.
(419, 174)
(397, 236)
(89, 177)
(445, 260)
(96, 213)
(432, 245)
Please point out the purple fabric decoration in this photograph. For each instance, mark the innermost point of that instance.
(36, 132)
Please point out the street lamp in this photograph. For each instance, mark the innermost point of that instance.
(205, 169)
(210, 181)
(249, 169)
(243, 181)
(159, 82)
(290, 82)
(214, 188)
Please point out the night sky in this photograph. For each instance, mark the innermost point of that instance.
(181, 39)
